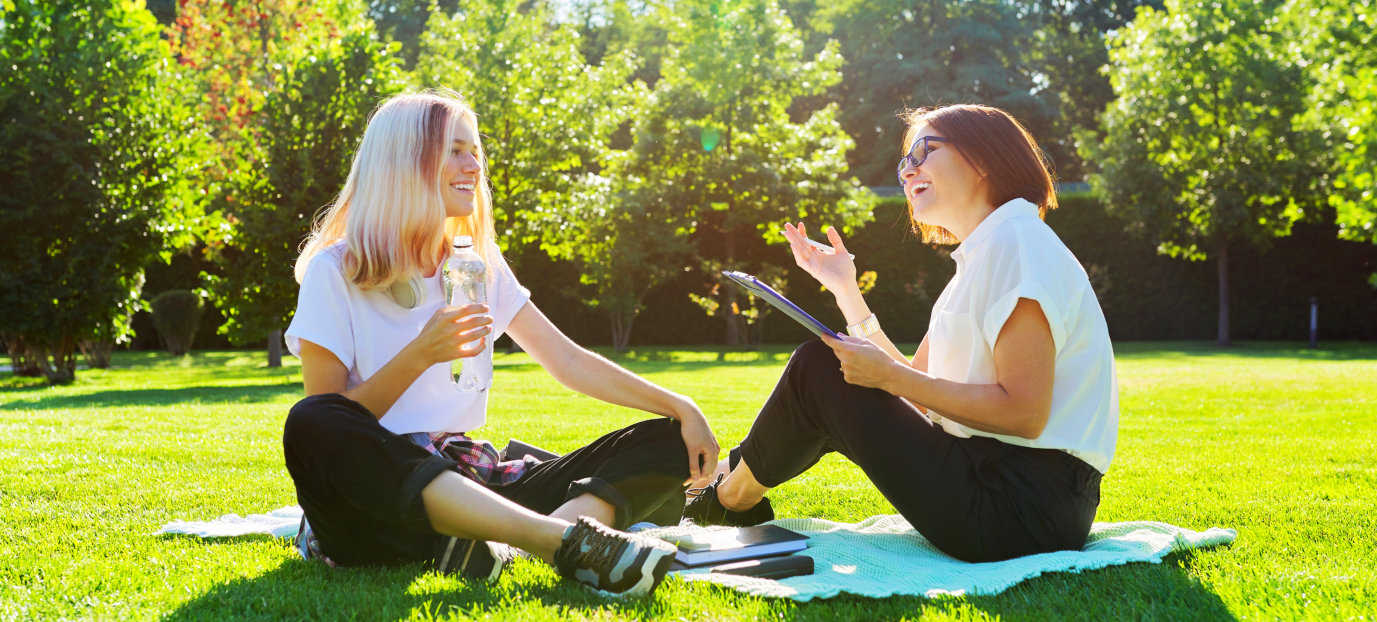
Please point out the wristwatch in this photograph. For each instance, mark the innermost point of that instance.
(864, 328)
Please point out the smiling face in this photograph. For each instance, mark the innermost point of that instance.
(461, 171)
(946, 190)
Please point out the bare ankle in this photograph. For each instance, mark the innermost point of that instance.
(733, 499)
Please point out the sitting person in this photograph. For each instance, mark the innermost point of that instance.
(378, 450)
(992, 439)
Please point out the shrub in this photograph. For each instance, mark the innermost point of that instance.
(175, 314)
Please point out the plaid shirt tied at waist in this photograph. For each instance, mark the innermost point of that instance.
(478, 460)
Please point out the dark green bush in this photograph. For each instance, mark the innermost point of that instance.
(176, 314)
(1145, 296)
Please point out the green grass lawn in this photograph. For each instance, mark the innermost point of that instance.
(1274, 440)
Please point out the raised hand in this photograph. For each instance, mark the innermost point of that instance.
(835, 270)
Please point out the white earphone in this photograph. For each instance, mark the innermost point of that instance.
(410, 293)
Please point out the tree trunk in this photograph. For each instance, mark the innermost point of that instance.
(729, 305)
(1222, 262)
(97, 352)
(275, 348)
(621, 330)
(61, 368)
(24, 358)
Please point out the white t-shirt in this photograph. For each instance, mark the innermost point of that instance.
(1012, 254)
(366, 329)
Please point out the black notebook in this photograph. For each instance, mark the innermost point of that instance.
(713, 547)
(777, 567)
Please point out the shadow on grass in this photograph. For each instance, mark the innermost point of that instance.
(1292, 351)
(298, 589)
(304, 590)
(244, 394)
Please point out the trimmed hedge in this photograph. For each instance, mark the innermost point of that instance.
(176, 314)
(1145, 296)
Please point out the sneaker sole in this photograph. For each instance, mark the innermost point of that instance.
(653, 570)
(466, 556)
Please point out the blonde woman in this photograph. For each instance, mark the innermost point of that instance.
(378, 450)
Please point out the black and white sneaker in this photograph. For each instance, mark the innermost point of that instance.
(704, 509)
(616, 562)
(472, 559)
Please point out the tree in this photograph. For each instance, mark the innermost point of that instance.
(905, 53)
(1202, 148)
(404, 21)
(311, 124)
(721, 142)
(548, 119)
(98, 134)
(1064, 55)
(545, 114)
(1336, 43)
(626, 241)
(236, 53)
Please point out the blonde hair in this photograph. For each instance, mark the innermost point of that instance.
(391, 212)
(995, 144)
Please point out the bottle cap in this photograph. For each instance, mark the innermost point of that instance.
(463, 241)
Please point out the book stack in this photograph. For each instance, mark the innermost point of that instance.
(759, 551)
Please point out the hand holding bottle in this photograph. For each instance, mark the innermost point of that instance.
(453, 333)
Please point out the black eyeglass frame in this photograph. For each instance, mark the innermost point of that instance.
(916, 162)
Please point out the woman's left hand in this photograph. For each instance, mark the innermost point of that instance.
(862, 362)
(701, 444)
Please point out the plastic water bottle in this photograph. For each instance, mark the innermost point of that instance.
(466, 282)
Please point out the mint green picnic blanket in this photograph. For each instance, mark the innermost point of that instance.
(883, 556)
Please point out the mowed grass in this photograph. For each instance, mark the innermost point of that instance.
(1274, 440)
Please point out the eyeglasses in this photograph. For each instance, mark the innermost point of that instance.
(921, 148)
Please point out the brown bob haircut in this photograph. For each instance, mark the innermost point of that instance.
(998, 147)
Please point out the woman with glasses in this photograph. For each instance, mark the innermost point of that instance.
(992, 437)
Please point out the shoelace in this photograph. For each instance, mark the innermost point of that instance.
(602, 549)
(698, 492)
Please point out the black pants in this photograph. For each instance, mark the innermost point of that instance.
(360, 485)
(976, 499)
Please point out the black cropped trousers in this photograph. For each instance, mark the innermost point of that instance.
(360, 484)
(977, 499)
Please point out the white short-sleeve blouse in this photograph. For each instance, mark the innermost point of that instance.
(1012, 254)
(366, 329)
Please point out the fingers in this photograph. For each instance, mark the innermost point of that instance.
(797, 243)
(835, 238)
(454, 313)
(464, 323)
(471, 342)
(695, 466)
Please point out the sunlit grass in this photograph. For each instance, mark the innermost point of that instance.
(1275, 440)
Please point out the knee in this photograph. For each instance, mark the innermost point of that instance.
(665, 437)
(813, 357)
(311, 418)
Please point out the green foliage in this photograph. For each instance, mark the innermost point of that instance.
(176, 314)
(545, 114)
(311, 125)
(1203, 147)
(1202, 144)
(404, 21)
(99, 138)
(626, 242)
(1064, 55)
(718, 138)
(903, 53)
(1336, 43)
